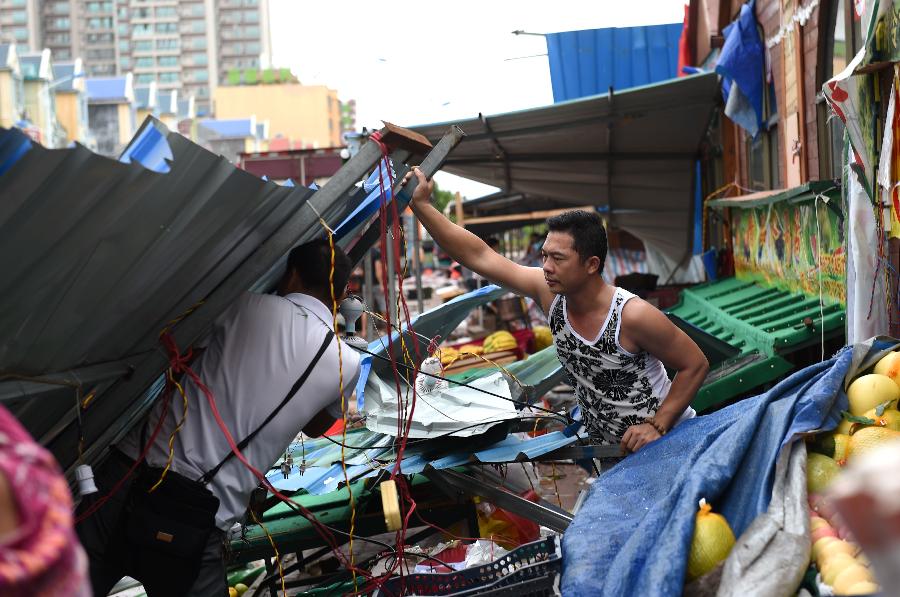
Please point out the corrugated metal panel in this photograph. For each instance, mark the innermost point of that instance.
(589, 62)
(100, 255)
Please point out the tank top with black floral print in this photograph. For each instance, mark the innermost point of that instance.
(614, 388)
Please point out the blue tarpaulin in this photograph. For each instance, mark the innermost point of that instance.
(633, 534)
(742, 66)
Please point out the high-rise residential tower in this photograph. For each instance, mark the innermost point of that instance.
(179, 44)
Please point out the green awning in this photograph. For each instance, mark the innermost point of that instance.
(805, 192)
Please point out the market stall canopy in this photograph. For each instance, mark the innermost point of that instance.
(631, 154)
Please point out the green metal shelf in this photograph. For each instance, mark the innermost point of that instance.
(764, 324)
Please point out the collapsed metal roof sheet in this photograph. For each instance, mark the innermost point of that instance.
(101, 255)
(629, 153)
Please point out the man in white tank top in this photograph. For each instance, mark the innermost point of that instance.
(613, 345)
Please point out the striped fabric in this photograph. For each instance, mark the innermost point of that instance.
(622, 261)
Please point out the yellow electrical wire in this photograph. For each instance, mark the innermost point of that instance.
(174, 431)
(334, 314)
(274, 548)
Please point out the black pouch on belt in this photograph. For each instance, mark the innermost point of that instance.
(171, 525)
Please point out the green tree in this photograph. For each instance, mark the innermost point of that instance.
(442, 198)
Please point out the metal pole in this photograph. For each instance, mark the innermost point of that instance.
(417, 264)
(369, 295)
(391, 281)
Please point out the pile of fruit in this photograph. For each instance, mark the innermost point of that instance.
(872, 420)
(237, 590)
(500, 341)
(543, 337)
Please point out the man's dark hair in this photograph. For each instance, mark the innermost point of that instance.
(587, 231)
(312, 262)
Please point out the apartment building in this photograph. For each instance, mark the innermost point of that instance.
(187, 45)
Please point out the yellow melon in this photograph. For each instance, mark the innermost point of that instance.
(889, 366)
(870, 438)
(868, 391)
(819, 545)
(712, 541)
(863, 588)
(831, 567)
(850, 576)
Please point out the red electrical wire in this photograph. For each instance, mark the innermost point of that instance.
(180, 365)
(118, 486)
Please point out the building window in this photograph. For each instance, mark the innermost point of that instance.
(197, 59)
(168, 60)
(124, 45)
(18, 2)
(168, 77)
(252, 47)
(145, 78)
(20, 34)
(143, 63)
(143, 46)
(100, 23)
(251, 31)
(167, 28)
(20, 17)
(63, 53)
(165, 11)
(198, 27)
(842, 40)
(125, 62)
(198, 43)
(167, 44)
(59, 23)
(60, 8)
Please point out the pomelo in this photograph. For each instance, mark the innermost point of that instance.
(889, 418)
(817, 521)
(839, 546)
(712, 542)
(820, 472)
(850, 576)
(870, 438)
(889, 366)
(863, 588)
(868, 391)
(241, 588)
(831, 567)
(819, 545)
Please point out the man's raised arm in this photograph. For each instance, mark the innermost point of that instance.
(472, 252)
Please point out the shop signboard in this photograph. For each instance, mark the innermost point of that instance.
(782, 244)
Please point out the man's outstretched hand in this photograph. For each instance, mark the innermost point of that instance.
(638, 436)
(422, 195)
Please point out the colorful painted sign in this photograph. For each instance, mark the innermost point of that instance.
(781, 245)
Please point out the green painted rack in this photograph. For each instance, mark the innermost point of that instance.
(763, 324)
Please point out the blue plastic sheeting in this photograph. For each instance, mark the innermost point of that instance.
(372, 202)
(632, 536)
(149, 148)
(13, 145)
(742, 66)
(589, 62)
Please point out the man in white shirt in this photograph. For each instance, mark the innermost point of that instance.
(258, 351)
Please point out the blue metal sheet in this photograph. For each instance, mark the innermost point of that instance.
(513, 448)
(589, 62)
(149, 148)
(107, 89)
